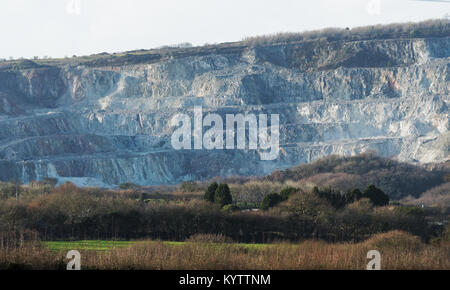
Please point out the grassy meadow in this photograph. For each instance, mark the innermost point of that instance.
(102, 245)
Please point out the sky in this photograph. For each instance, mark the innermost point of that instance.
(58, 28)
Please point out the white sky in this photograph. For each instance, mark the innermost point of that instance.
(65, 27)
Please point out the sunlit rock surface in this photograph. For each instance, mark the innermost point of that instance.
(106, 125)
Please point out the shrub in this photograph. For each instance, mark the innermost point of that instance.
(435, 197)
(11, 189)
(254, 191)
(308, 204)
(410, 210)
(447, 177)
(222, 195)
(229, 208)
(144, 196)
(395, 239)
(364, 205)
(353, 195)
(50, 181)
(209, 238)
(446, 233)
(128, 185)
(210, 192)
(335, 198)
(189, 187)
(270, 200)
(287, 192)
(376, 195)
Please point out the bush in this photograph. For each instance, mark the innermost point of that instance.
(353, 195)
(288, 192)
(446, 233)
(310, 205)
(253, 191)
(335, 198)
(229, 208)
(189, 187)
(398, 240)
(435, 197)
(376, 195)
(50, 181)
(209, 238)
(270, 200)
(447, 178)
(128, 185)
(144, 196)
(210, 192)
(410, 210)
(364, 205)
(10, 189)
(222, 195)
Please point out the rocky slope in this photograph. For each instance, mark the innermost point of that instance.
(104, 125)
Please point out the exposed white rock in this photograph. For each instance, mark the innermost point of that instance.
(105, 126)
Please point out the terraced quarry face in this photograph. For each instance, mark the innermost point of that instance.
(107, 124)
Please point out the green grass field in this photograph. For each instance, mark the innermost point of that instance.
(102, 245)
(93, 245)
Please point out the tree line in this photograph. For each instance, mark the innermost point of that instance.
(69, 212)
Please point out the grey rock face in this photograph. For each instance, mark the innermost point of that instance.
(108, 125)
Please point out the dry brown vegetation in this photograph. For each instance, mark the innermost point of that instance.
(398, 250)
(209, 238)
(398, 179)
(71, 213)
(436, 197)
(395, 178)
